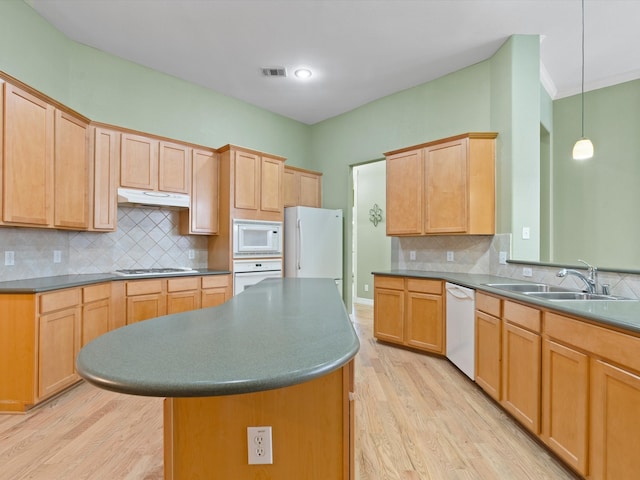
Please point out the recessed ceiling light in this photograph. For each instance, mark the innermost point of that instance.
(302, 73)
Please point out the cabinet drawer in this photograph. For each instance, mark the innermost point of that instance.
(424, 286)
(393, 283)
(182, 284)
(144, 287)
(50, 302)
(526, 317)
(96, 292)
(215, 281)
(488, 304)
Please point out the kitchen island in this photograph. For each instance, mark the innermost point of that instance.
(280, 355)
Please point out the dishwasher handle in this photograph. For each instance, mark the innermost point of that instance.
(458, 293)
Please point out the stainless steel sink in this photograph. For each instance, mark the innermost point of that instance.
(527, 287)
(572, 296)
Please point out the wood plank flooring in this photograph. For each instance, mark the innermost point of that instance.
(417, 418)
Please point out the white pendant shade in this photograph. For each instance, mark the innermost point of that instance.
(583, 149)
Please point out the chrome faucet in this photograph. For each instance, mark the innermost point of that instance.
(591, 280)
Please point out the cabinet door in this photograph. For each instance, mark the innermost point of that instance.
(138, 162)
(203, 212)
(216, 289)
(521, 375)
(144, 307)
(212, 297)
(246, 180)
(615, 422)
(173, 168)
(388, 314)
(310, 190)
(95, 319)
(488, 353)
(106, 157)
(58, 343)
(291, 188)
(71, 172)
(446, 194)
(28, 159)
(565, 391)
(183, 301)
(404, 193)
(424, 322)
(271, 185)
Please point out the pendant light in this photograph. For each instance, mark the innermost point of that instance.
(583, 149)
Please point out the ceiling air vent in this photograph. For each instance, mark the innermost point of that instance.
(274, 71)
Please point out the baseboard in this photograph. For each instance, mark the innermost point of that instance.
(363, 301)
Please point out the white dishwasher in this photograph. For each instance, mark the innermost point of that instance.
(461, 303)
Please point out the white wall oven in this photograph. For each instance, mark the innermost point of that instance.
(247, 273)
(256, 239)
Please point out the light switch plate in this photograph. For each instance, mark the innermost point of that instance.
(9, 258)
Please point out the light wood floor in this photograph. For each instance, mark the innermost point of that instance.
(417, 418)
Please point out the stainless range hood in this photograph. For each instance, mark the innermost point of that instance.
(131, 197)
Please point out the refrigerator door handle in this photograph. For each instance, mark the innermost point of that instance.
(299, 244)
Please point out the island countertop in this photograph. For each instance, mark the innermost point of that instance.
(278, 333)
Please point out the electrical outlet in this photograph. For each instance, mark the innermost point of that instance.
(527, 272)
(502, 259)
(412, 254)
(366, 287)
(259, 445)
(449, 256)
(192, 254)
(57, 256)
(9, 258)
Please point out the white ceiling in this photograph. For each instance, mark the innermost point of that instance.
(359, 50)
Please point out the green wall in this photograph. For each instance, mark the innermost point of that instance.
(500, 94)
(108, 89)
(596, 201)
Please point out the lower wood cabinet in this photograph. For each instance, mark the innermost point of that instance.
(565, 394)
(96, 311)
(146, 299)
(183, 294)
(488, 351)
(152, 298)
(41, 334)
(215, 290)
(521, 353)
(58, 345)
(615, 422)
(409, 311)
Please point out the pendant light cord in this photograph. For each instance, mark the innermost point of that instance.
(582, 95)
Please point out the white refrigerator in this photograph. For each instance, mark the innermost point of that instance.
(313, 243)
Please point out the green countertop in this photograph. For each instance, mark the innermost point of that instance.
(622, 314)
(46, 284)
(278, 333)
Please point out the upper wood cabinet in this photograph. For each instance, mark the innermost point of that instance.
(27, 183)
(106, 157)
(255, 184)
(46, 163)
(202, 216)
(149, 164)
(71, 172)
(442, 187)
(302, 187)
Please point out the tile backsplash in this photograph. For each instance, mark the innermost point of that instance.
(145, 238)
(480, 254)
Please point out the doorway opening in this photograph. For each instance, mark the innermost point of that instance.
(371, 248)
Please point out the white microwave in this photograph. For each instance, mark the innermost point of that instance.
(254, 238)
